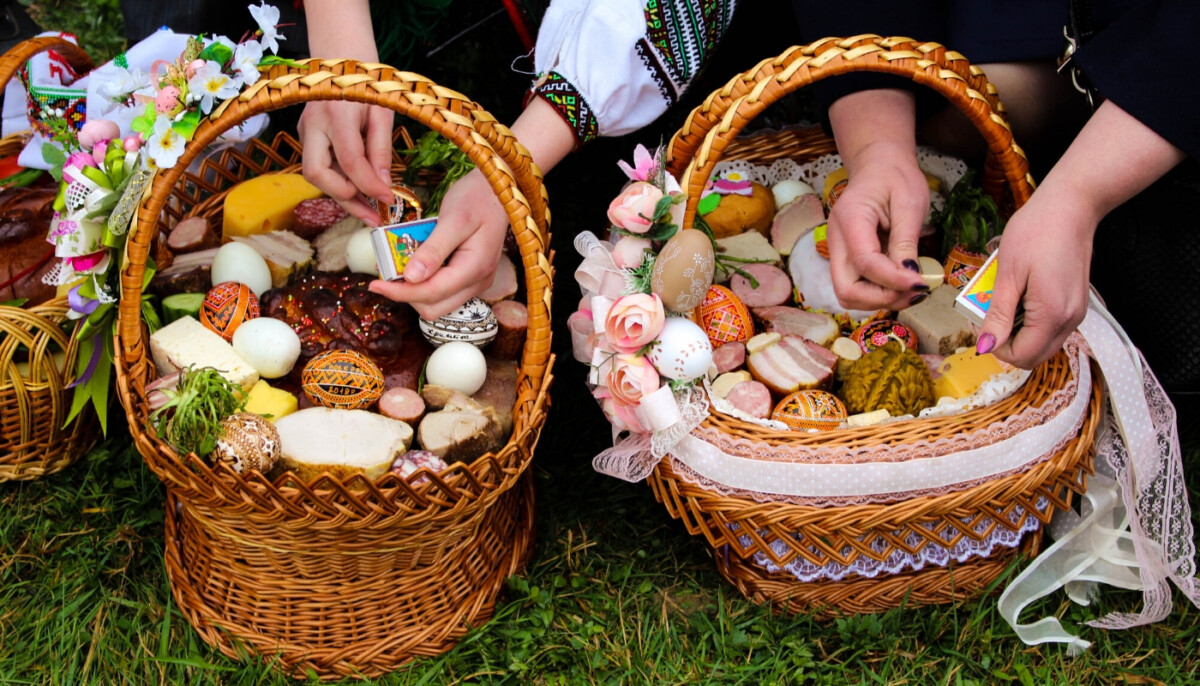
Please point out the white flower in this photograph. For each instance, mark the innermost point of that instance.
(267, 17)
(211, 84)
(114, 84)
(165, 145)
(245, 60)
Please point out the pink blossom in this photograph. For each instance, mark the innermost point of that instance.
(79, 160)
(634, 321)
(634, 207)
(96, 130)
(632, 378)
(643, 164)
(100, 150)
(629, 251)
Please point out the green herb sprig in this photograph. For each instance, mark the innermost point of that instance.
(970, 217)
(191, 418)
(435, 153)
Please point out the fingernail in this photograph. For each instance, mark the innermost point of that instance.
(414, 271)
(921, 287)
(386, 175)
(918, 298)
(985, 344)
(912, 266)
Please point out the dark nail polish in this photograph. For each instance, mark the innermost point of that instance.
(918, 298)
(921, 287)
(985, 344)
(912, 266)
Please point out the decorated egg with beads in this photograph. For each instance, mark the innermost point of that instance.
(682, 351)
(342, 379)
(876, 334)
(474, 323)
(809, 410)
(226, 307)
(724, 317)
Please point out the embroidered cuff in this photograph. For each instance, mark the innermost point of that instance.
(566, 99)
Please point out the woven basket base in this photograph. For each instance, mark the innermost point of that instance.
(341, 628)
(858, 595)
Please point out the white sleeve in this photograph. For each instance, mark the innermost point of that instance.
(613, 66)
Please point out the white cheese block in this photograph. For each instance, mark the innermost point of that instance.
(186, 342)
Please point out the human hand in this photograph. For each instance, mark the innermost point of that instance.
(1043, 264)
(360, 139)
(470, 232)
(887, 194)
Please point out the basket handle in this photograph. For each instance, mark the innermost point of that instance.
(697, 147)
(507, 166)
(20, 53)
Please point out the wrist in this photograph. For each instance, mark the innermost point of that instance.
(873, 125)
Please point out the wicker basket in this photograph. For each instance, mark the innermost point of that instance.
(738, 526)
(349, 577)
(35, 438)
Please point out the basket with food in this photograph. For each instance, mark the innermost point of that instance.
(42, 429)
(348, 484)
(838, 460)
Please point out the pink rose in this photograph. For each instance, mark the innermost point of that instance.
(634, 321)
(632, 378)
(633, 208)
(629, 251)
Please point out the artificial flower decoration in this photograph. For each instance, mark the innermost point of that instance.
(267, 17)
(210, 84)
(166, 145)
(643, 164)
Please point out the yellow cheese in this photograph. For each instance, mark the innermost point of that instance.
(272, 403)
(264, 204)
(963, 372)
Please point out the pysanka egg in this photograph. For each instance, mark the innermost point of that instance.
(682, 351)
(725, 317)
(473, 323)
(683, 270)
(876, 334)
(342, 379)
(226, 307)
(811, 409)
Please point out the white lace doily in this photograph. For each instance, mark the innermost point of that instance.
(932, 555)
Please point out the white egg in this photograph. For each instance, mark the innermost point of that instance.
(458, 365)
(682, 351)
(360, 253)
(239, 262)
(788, 190)
(269, 345)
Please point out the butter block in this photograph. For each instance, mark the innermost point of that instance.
(751, 245)
(186, 342)
(264, 203)
(939, 327)
(962, 373)
(867, 418)
(269, 402)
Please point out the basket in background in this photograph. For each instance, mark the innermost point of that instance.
(37, 353)
(343, 577)
(751, 530)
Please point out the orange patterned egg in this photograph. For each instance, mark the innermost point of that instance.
(342, 379)
(876, 334)
(805, 410)
(724, 317)
(226, 307)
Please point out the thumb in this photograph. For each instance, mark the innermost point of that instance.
(432, 254)
(1002, 311)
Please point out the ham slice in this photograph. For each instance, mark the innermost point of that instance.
(794, 220)
(818, 327)
(792, 364)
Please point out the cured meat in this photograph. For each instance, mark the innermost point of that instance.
(774, 286)
(192, 234)
(729, 357)
(751, 397)
(315, 215)
(818, 327)
(792, 364)
(513, 319)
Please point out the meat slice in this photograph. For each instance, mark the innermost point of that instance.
(774, 285)
(818, 327)
(792, 364)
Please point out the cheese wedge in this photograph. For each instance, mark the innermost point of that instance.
(963, 373)
(264, 203)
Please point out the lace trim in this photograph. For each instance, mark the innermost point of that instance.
(900, 561)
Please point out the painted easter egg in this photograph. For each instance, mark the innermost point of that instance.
(811, 409)
(683, 270)
(247, 442)
(226, 307)
(473, 323)
(724, 317)
(342, 379)
(682, 351)
(876, 334)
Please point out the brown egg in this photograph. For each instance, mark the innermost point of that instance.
(247, 442)
(683, 271)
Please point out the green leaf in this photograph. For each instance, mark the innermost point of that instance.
(186, 126)
(708, 203)
(22, 178)
(216, 52)
(150, 314)
(144, 124)
(662, 207)
(272, 60)
(16, 302)
(148, 274)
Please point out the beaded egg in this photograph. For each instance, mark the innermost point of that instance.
(226, 307)
(342, 379)
(876, 334)
(474, 323)
(810, 409)
(724, 317)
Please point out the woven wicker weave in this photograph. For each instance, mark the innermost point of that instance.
(837, 534)
(355, 576)
(35, 439)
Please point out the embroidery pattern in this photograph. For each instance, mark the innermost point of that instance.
(684, 34)
(566, 98)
